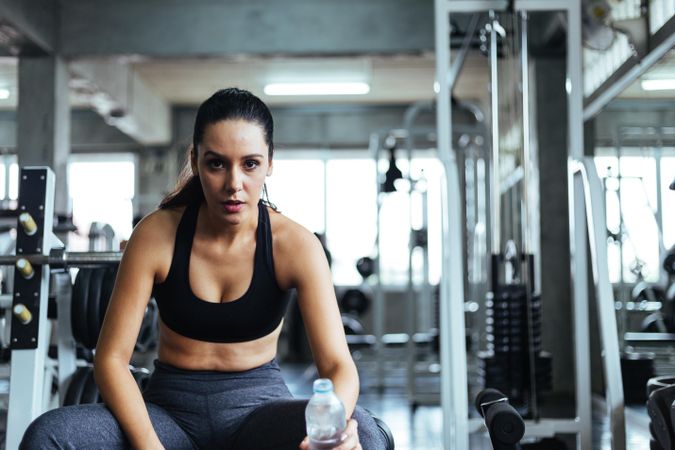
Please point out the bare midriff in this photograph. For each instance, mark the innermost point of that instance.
(192, 354)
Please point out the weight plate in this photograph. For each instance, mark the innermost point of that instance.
(76, 386)
(90, 391)
(94, 307)
(107, 289)
(78, 305)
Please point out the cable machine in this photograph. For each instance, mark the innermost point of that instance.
(585, 209)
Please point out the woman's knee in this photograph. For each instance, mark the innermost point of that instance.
(72, 427)
(370, 435)
(44, 431)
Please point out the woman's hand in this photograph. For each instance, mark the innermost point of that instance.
(350, 438)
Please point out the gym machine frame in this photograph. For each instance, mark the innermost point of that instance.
(410, 132)
(38, 251)
(583, 186)
(375, 146)
(415, 301)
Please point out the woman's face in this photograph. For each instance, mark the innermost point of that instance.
(232, 163)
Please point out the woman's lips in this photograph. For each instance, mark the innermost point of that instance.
(233, 207)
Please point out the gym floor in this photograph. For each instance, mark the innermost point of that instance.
(423, 428)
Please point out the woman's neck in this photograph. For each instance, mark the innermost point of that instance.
(214, 228)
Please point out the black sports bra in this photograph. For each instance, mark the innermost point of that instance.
(256, 314)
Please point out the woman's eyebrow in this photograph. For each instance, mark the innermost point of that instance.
(252, 155)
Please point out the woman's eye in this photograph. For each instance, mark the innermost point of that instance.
(251, 164)
(215, 164)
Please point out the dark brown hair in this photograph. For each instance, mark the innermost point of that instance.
(225, 104)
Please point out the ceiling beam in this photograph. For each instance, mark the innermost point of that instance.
(175, 28)
(114, 90)
(28, 27)
(88, 133)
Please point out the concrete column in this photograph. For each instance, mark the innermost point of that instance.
(156, 176)
(43, 120)
(551, 131)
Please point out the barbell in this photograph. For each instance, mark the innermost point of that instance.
(91, 292)
(62, 259)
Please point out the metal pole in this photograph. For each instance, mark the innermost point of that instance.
(378, 310)
(619, 178)
(444, 127)
(65, 259)
(597, 229)
(658, 215)
(527, 156)
(578, 252)
(66, 343)
(495, 191)
(463, 51)
(579, 269)
(411, 304)
(426, 321)
(527, 235)
(454, 397)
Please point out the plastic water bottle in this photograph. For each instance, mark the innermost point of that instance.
(325, 416)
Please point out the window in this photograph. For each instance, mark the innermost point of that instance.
(633, 202)
(102, 189)
(9, 178)
(337, 196)
(351, 212)
(296, 187)
(395, 224)
(668, 200)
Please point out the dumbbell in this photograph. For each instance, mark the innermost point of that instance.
(365, 266)
(355, 301)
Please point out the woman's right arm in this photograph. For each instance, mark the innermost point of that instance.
(140, 263)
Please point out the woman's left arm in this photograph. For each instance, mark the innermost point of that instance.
(316, 297)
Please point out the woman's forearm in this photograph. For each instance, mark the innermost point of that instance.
(121, 394)
(346, 385)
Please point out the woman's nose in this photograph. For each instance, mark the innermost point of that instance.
(233, 183)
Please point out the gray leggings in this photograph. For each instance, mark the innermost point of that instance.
(191, 409)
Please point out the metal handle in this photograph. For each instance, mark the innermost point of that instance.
(60, 258)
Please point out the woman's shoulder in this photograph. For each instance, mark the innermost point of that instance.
(289, 237)
(158, 225)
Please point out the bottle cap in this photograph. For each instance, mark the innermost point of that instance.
(323, 386)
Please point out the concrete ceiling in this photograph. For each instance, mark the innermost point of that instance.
(665, 68)
(393, 79)
(191, 48)
(398, 79)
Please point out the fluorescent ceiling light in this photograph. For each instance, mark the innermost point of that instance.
(658, 85)
(4, 94)
(317, 88)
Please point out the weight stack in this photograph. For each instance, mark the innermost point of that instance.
(506, 363)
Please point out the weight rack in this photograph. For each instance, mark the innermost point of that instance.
(38, 253)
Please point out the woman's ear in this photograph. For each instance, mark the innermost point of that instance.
(269, 168)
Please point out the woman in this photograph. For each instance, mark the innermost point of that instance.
(219, 261)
